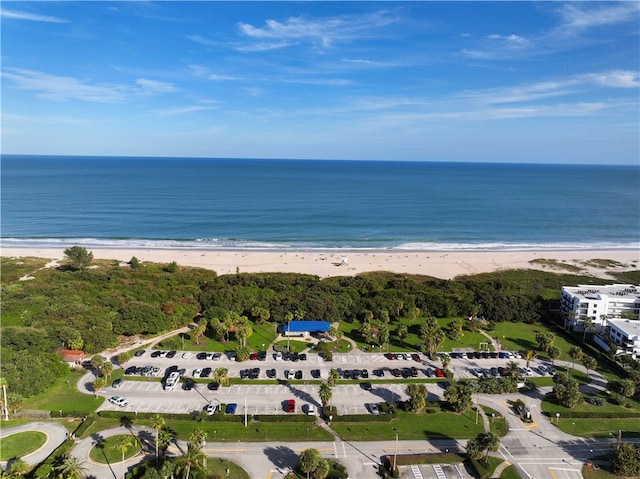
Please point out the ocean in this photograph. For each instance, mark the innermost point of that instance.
(53, 201)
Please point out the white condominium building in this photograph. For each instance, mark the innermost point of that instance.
(625, 334)
(599, 303)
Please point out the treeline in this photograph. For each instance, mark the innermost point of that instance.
(90, 307)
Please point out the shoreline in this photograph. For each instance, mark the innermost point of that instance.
(327, 263)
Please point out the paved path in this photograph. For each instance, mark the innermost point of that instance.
(56, 435)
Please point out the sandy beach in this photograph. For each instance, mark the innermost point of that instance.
(439, 264)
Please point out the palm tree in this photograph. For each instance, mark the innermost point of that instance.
(200, 329)
(590, 363)
(70, 468)
(193, 459)
(334, 375)
(123, 445)
(158, 424)
(554, 353)
(198, 436)
(17, 469)
(586, 324)
(491, 443)
(322, 469)
(164, 439)
(221, 375)
(107, 368)
(529, 356)
(446, 360)
(576, 354)
(514, 370)
(325, 393)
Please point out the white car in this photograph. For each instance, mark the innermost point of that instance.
(210, 409)
(291, 374)
(197, 373)
(311, 410)
(118, 401)
(278, 356)
(528, 372)
(373, 407)
(186, 355)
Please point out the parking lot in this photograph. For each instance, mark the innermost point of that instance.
(375, 369)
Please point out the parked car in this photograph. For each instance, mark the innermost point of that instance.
(278, 356)
(298, 374)
(231, 408)
(315, 373)
(311, 410)
(373, 407)
(302, 357)
(139, 353)
(291, 405)
(188, 384)
(439, 373)
(196, 373)
(117, 383)
(253, 356)
(172, 354)
(213, 386)
(271, 373)
(216, 356)
(366, 386)
(118, 401)
(210, 409)
(415, 357)
(206, 372)
(186, 355)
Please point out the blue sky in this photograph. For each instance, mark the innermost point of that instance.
(548, 82)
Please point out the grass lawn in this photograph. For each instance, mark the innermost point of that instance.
(486, 469)
(522, 337)
(511, 473)
(64, 396)
(107, 452)
(220, 431)
(600, 427)
(413, 342)
(295, 346)
(412, 427)
(21, 444)
(218, 468)
(553, 408)
(263, 335)
(497, 421)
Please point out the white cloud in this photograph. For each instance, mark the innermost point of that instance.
(616, 79)
(321, 32)
(184, 110)
(577, 15)
(204, 72)
(60, 88)
(64, 88)
(153, 86)
(18, 15)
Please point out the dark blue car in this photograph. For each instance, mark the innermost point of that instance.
(231, 408)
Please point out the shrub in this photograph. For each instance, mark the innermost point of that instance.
(596, 401)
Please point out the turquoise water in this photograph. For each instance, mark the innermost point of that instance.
(282, 204)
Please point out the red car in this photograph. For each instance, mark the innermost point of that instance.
(254, 356)
(291, 405)
(439, 373)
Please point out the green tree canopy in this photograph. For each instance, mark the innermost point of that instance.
(79, 258)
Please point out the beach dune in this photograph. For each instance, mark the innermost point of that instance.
(439, 264)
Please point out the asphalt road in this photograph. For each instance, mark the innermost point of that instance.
(56, 435)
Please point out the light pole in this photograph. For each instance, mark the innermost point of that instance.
(395, 454)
